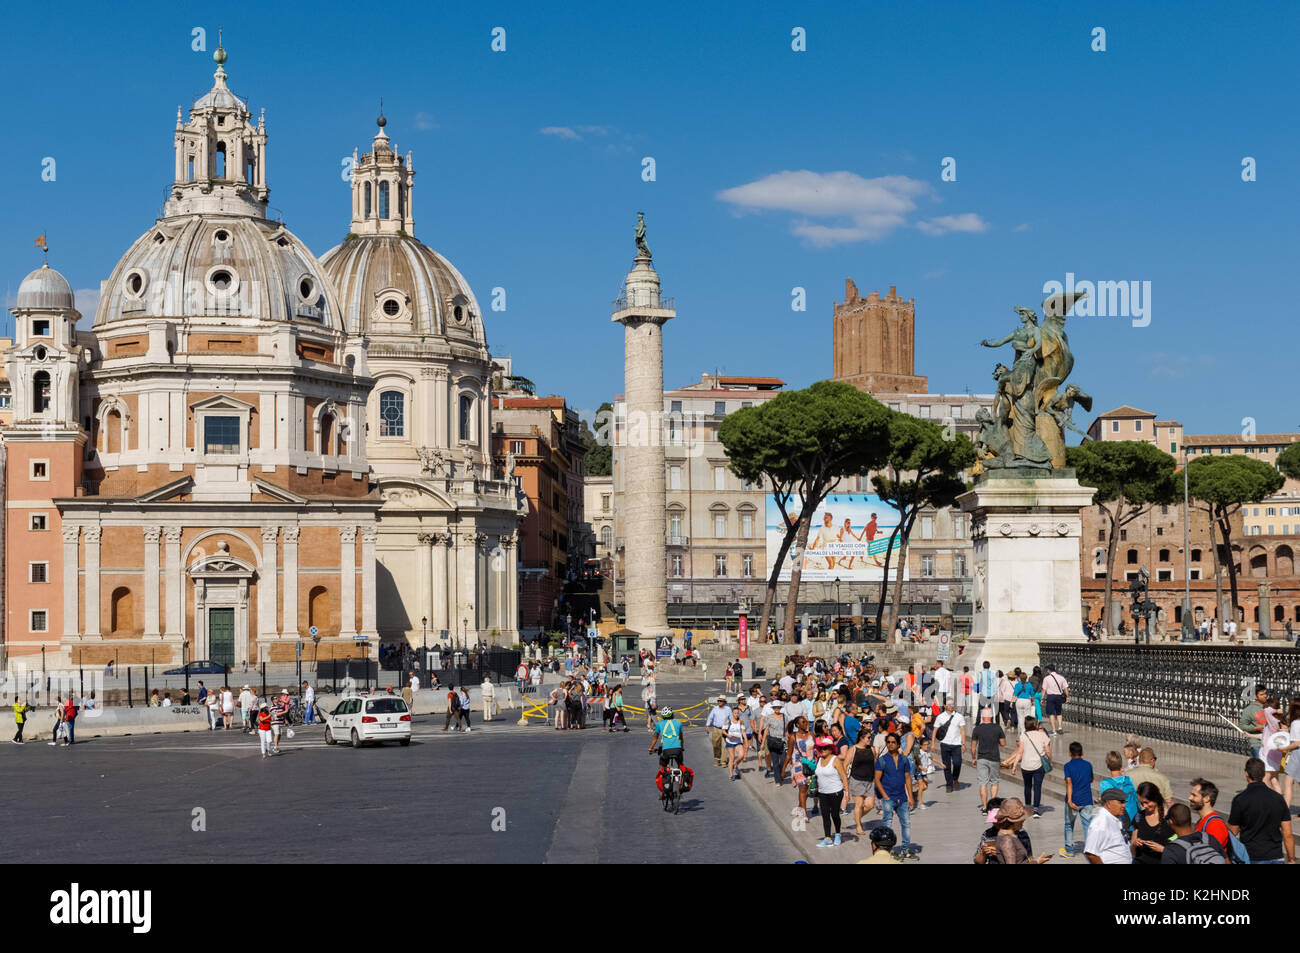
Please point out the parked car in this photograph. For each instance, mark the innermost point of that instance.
(361, 718)
(202, 667)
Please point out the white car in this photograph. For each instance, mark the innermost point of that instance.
(378, 718)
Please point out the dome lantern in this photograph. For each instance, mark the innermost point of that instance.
(381, 189)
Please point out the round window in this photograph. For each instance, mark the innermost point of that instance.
(222, 235)
(135, 284)
(306, 289)
(222, 280)
(392, 308)
(459, 314)
(40, 353)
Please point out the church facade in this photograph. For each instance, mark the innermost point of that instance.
(251, 448)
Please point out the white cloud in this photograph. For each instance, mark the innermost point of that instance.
(564, 132)
(868, 209)
(595, 130)
(1022, 227)
(425, 121)
(966, 222)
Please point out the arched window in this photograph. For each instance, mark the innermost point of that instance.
(325, 444)
(365, 189)
(1164, 555)
(1196, 555)
(113, 438)
(221, 160)
(1285, 561)
(1132, 557)
(248, 168)
(401, 201)
(318, 610)
(392, 414)
(1279, 614)
(466, 417)
(383, 200)
(607, 536)
(122, 612)
(41, 392)
(1259, 564)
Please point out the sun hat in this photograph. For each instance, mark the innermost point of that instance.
(1012, 809)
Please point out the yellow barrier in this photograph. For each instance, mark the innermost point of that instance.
(537, 710)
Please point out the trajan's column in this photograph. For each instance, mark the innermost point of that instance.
(642, 313)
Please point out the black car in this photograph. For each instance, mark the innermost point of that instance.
(202, 667)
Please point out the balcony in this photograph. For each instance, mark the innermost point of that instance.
(641, 300)
(679, 541)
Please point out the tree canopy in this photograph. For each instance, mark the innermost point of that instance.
(922, 470)
(1222, 484)
(1130, 477)
(1288, 461)
(600, 456)
(799, 444)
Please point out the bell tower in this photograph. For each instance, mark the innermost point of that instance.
(381, 189)
(43, 459)
(220, 155)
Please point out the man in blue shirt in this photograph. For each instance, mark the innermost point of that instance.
(668, 736)
(717, 722)
(894, 785)
(988, 687)
(1078, 795)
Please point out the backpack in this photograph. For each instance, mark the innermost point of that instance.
(455, 702)
(1237, 853)
(1200, 850)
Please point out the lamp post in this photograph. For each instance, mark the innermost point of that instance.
(837, 608)
(424, 641)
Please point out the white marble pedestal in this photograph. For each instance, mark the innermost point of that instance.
(1025, 525)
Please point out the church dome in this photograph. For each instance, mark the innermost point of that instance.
(218, 265)
(396, 285)
(45, 290)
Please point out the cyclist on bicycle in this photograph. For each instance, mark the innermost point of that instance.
(668, 739)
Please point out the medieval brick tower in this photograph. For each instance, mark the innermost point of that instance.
(874, 344)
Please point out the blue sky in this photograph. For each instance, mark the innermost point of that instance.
(1115, 165)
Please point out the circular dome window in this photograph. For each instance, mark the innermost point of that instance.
(222, 280)
(306, 289)
(135, 283)
(392, 308)
(40, 353)
(222, 235)
(459, 314)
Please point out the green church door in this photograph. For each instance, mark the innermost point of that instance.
(221, 636)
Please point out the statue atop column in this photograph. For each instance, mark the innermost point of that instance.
(642, 249)
(1026, 427)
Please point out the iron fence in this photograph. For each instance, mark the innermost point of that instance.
(1189, 695)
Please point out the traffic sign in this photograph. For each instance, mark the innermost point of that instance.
(945, 645)
(314, 631)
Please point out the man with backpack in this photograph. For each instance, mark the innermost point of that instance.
(1210, 822)
(453, 709)
(1191, 846)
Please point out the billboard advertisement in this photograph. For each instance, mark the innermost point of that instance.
(848, 539)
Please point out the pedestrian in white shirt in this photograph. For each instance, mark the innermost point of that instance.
(489, 699)
(308, 703)
(943, 682)
(228, 705)
(1105, 843)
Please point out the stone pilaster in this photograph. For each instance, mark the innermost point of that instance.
(368, 627)
(71, 584)
(151, 582)
(174, 574)
(348, 581)
(267, 588)
(92, 581)
(291, 579)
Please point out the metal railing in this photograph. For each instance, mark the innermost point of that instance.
(1188, 695)
(622, 303)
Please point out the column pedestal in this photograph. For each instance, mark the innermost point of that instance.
(1025, 525)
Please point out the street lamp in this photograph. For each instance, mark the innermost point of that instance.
(837, 608)
(424, 643)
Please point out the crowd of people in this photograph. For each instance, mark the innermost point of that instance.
(852, 740)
